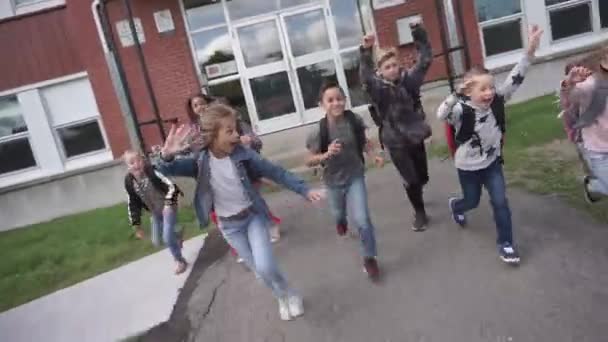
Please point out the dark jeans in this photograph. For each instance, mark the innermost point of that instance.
(411, 162)
(493, 179)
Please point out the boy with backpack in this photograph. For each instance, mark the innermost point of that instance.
(397, 110)
(477, 115)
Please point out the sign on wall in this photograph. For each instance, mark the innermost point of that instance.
(124, 32)
(378, 4)
(403, 28)
(164, 21)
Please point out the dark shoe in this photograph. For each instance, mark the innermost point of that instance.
(460, 219)
(508, 254)
(341, 229)
(588, 195)
(420, 222)
(370, 265)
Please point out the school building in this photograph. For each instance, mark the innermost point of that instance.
(83, 80)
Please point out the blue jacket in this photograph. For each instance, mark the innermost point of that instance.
(250, 166)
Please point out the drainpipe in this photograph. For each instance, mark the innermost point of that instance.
(117, 75)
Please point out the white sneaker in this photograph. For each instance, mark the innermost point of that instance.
(296, 306)
(275, 233)
(284, 309)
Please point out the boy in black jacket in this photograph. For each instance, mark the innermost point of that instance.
(149, 189)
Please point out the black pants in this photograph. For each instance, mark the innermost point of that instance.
(412, 164)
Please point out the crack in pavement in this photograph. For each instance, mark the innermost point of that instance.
(213, 295)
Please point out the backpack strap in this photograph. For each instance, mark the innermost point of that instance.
(358, 130)
(467, 127)
(498, 109)
(323, 134)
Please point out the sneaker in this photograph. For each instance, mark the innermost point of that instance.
(296, 306)
(239, 260)
(341, 229)
(460, 219)
(370, 266)
(284, 309)
(182, 266)
(275, 233)
(420, 222)
(508, 254)
(588, 195)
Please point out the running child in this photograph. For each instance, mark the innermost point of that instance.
(225, 172)
(584, 98)
(395, 93)
(338, 143)
(149, 189)
(478, 117)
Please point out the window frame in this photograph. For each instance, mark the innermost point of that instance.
(502, 20)
(34, 6)
(566, 5)
(18, 136)
(61, 146)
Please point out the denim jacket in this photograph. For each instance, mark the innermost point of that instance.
(250, 166)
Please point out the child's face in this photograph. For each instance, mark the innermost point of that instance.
(198, 105)
(227, 137)
(135, 163)
(333, 102)
(481, 91)
(390, 69)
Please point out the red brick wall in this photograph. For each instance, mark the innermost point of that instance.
(36, 48)
(386, 25)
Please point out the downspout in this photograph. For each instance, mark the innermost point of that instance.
(117, 75)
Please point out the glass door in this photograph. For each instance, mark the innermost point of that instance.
(268, 82)
(312, 57)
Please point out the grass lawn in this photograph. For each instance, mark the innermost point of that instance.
(538, 156)
(46, 257)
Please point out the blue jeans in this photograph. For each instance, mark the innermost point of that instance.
(354, 195)
(493, 179)
(598, 165)
(165, 223)
(249, 236)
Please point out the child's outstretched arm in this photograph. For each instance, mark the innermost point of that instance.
(172, 193)
(177, 141)
(367, 72)
(517, 74)
(415, 76)
(450, 110)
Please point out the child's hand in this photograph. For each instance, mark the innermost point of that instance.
(315, 195)
(379, 161)
(369, 41)
(534, 35)
(578, 75)
(334, 148)
(176, 141)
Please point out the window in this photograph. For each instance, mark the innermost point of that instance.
(10, 8)
(238, 9)
(81, 138)
(569, 17)
(501, 25)
(350, 62)
(604, 13)
(233, 93)
(15, 149)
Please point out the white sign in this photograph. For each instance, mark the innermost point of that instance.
(378, 4)
(124, 32)
(221, 69)
(403, 28)
(164, 21)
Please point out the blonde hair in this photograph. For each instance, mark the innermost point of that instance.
(384, 55)
(211, 121)
(129, 153)
(472, 73)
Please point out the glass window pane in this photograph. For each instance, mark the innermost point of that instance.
(16, 155)
(307, 33)
(214, 53)
(238, 9)
(348, 22)
(492, 9)
(11, 118)
(503, 37)
(350, 62)
(260, 43)
(604, 13)
(24, 2)
(201, 13)
(554, 2)
(311, 78)
(233, 93)
(81, 138)
(272, 95)
(566, 22)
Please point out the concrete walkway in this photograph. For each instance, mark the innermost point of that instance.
(446, 284)
(112, 306)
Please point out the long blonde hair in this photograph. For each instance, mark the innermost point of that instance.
(211, 121)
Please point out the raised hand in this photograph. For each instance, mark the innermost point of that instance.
(369, 41)
(176, 141)
(534, 35)
(578, 74)
(334, 148)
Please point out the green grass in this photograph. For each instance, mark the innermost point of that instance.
(46, 257)
(537, 156)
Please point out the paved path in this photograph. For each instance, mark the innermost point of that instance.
(446, 284)
(109, 307)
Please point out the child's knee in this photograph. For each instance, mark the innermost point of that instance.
(499, 202)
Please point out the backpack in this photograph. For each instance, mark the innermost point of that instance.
(358, 130)
(467, 128)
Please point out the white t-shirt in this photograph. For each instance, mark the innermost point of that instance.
(229, 197)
